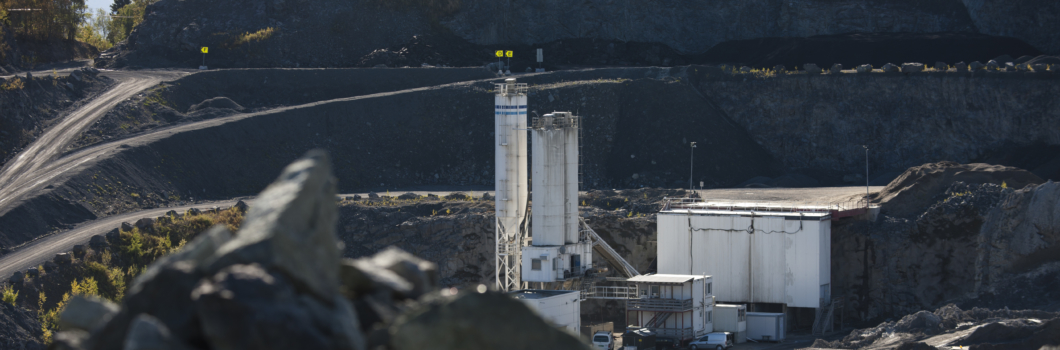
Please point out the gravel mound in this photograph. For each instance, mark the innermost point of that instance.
(919, 185)
(219, 102)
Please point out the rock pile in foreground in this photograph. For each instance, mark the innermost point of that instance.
(950, 327)
(280, 283)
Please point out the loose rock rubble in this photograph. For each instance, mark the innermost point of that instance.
(280, 283)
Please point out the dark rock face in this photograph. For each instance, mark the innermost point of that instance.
(19, 328)
(1030, 20)
(468, 321)
(298, 35)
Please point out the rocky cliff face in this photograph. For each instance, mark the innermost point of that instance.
(1032, 21)
(694, 27)
(821, 121)
(977, 245)
(1019, 235)
(329, 33)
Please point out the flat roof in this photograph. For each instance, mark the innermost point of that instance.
(811, 215)
(538, 293)
(664, 278)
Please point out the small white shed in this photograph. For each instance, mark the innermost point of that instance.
(731, 318)
(560, 307)
(765, 326)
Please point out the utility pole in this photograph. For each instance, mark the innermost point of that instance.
(866, 174)
(691, 165)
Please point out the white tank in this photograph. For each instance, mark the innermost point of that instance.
(555, 179)
(511, 157)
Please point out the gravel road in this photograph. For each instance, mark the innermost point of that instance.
(44, 249)
(36, 165)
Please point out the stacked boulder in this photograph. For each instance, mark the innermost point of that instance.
(281, 283)
(812, 69)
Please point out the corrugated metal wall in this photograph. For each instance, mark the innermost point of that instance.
(779, 263)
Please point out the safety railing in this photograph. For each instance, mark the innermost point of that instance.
(659, 304)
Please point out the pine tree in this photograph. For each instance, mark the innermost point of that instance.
(118, 4)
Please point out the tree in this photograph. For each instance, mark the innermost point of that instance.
(118, 4)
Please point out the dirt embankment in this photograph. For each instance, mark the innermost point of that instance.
(32, 105)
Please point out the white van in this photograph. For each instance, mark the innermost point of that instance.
(603, 340)
(716, 341)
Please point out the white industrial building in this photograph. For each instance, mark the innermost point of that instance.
(781, 257)
(731, 318)
(674, 306)
(560, 307)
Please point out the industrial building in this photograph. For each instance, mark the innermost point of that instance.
(773, 258)
(560, 307)
(680, 307)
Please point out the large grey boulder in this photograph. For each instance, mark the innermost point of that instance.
(248, 307)
(836, 69)
(149, 333)
(864, 69)
(811, 69)
(976, 66)
(961, 66)
(780, 68)
(890, 68)
(992, 65)
(941, 66)
(471, 320)
(86, 313)
(912, 67)
(291, 228)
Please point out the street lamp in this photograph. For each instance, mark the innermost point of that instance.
(691, 165)
(866, 174)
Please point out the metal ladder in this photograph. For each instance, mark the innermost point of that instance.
(609, 253)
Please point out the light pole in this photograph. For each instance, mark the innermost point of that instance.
(866, 174)
(691, 165)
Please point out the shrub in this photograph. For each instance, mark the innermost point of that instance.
(10, 295)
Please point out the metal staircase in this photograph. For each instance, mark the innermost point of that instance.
(823, 320)
(658, 321)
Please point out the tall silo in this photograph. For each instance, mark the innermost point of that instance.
(511, 176)
(555, 179)
(558, 251)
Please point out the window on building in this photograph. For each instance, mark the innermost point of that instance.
(655, 291)
(555, 264)
(741, 315)
(709, 285)
(535, 264)
(710, 316)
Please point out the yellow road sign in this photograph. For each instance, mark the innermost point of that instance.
(507, 54)
(499, 53)
(205, 49)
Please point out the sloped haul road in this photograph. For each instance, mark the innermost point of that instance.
(36, 165)
(39, 163)
(42, 163)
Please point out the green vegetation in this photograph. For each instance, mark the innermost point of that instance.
(260, 35)
(9, 295)
(15, 83)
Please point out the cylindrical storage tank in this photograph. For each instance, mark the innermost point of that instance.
(555, 180)
(511, 155)
(571, 184)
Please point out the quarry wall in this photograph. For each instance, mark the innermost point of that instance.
(303, 34)
(820, 121)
